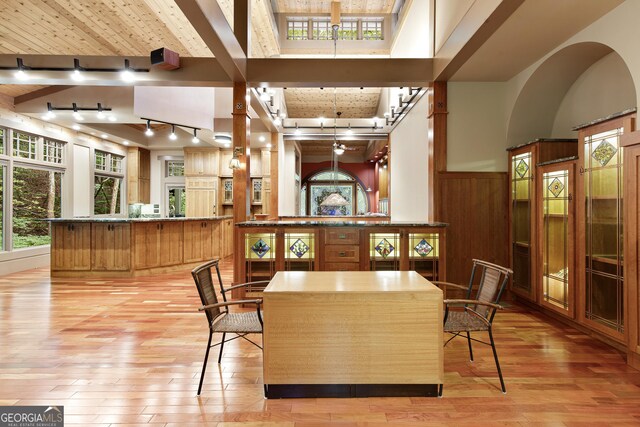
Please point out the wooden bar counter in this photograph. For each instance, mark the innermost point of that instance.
(352, 334)
(126, 247)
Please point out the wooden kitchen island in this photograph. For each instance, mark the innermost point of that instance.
(352, 334)
(125, 247)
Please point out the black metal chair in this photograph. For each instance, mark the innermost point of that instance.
(476, 313)
(219, 318)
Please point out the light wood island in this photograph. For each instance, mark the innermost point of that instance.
(352, 334)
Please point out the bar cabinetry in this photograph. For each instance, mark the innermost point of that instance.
(271, 246)
(523, 207)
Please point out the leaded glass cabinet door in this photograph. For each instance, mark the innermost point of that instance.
(557, 261)
(601, 225)
(522, 208)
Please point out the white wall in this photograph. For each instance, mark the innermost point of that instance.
(605, 88)
(448, 14)
(476, 127)
(409, 166)
(81, 181)
(157, 175)
(286, 178)
(415, 38)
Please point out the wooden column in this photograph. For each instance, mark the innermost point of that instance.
(273, 196)
(437, 140)
(242, 175)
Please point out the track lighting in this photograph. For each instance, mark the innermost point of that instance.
(127, 73)
(76, 111)
(349, 130)
(49, 114)
(149, 131)
(195, 138)
(297, 131)
(100, 113)
(76, 114)
(20, 71)
(264, 96)
(76, 74)
(172, 135)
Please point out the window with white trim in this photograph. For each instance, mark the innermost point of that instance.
(297, 29)
(321, 29)
(107, 183)
(3, 132)
(372, 29)
(348, 29)
(174, 168)
(25, 145)
(53, 151)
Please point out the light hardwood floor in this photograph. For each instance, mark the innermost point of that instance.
(129, 351)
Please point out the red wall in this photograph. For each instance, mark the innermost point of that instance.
(365, 172)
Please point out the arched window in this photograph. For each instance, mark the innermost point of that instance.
(319, 186)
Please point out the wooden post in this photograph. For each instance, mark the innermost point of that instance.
(241, 176)
(273, 196)
(437, 140)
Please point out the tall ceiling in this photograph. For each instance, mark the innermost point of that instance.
(316, 102)
(346, 6)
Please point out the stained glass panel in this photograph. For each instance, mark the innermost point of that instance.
(423, 248)
(555, 187)
(604, 152)
(522, 168)
(260, 248)
(384, 248)
(319, 192)
(299, 248)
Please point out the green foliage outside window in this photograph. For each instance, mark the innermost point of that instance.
(37, 194)
(106, 195)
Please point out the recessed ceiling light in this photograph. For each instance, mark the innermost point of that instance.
(262, 138)
(75, 127)
(104, 136)
(125, 142)
(268, 145)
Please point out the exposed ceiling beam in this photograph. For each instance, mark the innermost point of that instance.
(45, 91)
(242, 24)
(207, 18)
(378, 72)
(473, 31)
(263, 114)
(192, 72)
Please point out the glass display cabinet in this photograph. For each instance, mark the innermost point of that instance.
(556, 237)
(299, 251)
(600, 219)
(384, 251)
(523, 206)
(260, 255)
(424, 254)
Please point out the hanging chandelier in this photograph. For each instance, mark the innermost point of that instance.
(335, 199)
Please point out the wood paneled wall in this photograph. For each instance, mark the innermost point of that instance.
(474, 204)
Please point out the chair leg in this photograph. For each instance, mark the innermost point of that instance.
(470, 349)
(204, 364)
(495, 356)
(224, 335)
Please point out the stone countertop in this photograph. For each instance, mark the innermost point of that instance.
(340, 224)
(123, 219)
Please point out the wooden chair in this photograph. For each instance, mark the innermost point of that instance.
(219, 318)
(475, 313)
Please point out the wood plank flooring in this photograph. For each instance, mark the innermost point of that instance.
(129, 353)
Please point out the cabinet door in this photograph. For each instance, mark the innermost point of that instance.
(227, 238)
(171, 243)
(111, 247)
(207, 236)
(200, 203)
(71, 246)
(216, 228)
(193, 241)
(146, 238)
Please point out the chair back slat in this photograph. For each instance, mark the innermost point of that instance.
(493, 279)
(203, 278)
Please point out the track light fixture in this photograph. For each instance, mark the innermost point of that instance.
(149, 131)
(172, 136)
(77, 72)
(76, 111)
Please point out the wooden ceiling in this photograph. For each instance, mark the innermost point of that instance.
(17, 90)
(315, 102)
(346, 6)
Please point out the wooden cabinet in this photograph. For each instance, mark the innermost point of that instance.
(601, 235)
(316, 247)
(556, 237)
(200, 161)
(198, 241)
(200, 196)
(523, 207)
(158, 244)
(111, 247)
(226, 232)
(71, 246)
(138, 175)
(631, 144)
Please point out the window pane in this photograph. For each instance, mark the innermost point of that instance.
(101, 161)
(53, 151)
(330, 176)
(36, 195)
(2, 134)
(24, 145)
(321, 30)
(363, 205)
(106, 195)
(319, 192)
(116, 163)
(297, 30)
(175, 168)
(372, 30)
(177, 202)
(348, 30)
